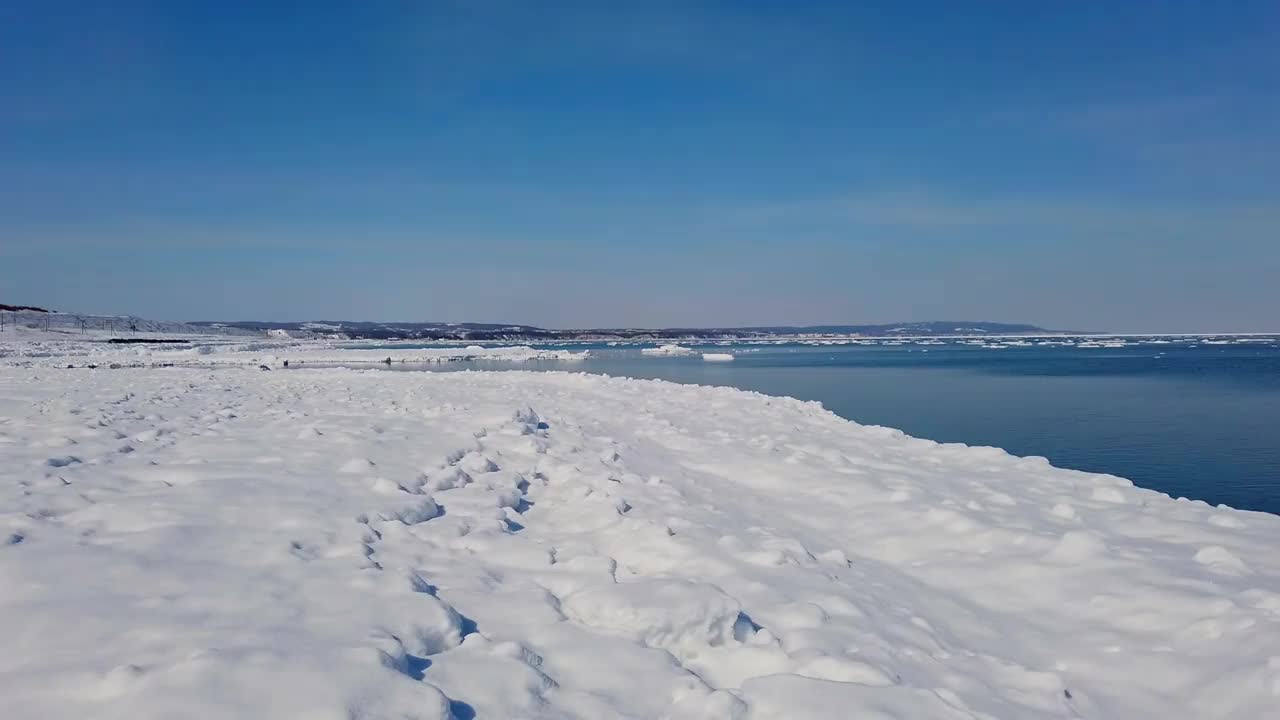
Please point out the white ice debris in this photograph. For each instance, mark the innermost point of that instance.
(337, 543)
(717, 357)
(667, 350)
(274, 352)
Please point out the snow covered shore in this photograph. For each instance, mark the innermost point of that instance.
(205, 351)
(330, 543)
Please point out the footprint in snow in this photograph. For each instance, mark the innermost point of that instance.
(62, 461)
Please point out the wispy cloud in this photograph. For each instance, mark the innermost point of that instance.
(930, 210)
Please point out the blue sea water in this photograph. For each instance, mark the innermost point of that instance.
(1188, 418)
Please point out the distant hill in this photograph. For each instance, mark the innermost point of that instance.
(30, 321)
(62, 323)
(497, 331)
(933, 327)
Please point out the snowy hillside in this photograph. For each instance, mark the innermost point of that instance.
(231, 543)
(31, 325)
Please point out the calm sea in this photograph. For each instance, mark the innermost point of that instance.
(1185, 417)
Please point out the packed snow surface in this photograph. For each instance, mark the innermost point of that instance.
(359, 544)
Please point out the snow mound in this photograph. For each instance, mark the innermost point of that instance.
(657, 613)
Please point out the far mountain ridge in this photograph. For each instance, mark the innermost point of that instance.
(499, 331)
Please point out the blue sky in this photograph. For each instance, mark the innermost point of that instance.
(1093, 165)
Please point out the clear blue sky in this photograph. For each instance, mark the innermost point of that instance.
(1096, 165)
